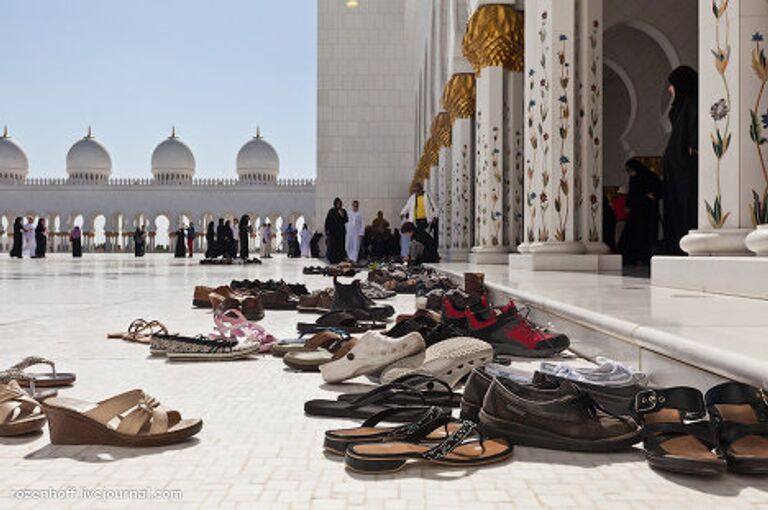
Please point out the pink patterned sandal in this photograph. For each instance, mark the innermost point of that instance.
(232, 325)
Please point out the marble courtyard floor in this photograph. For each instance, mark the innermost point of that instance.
(257, 449)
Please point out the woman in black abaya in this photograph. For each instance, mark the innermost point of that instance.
(336, 232)
(41, 239)
(245, 233)
(210, 241)
(181, 238)
(642, 226)
(681, 159)
(18, 232)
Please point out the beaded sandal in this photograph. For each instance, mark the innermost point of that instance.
(42, 380)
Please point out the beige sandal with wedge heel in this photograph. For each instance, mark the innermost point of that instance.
(19, 413)
(132, 418)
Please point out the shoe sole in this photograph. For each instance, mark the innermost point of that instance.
(520, 351)
(523, 435)
(450, 361)
(383, 466)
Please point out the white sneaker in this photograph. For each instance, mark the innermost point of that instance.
(371, 353)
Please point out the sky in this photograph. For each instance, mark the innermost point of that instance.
(216, 69)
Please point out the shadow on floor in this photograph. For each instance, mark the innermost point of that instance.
(102, 454)
(23, 439)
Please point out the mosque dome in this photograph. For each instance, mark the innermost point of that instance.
(257, 161)
(14, 166)
(88, 161)
(173, 161)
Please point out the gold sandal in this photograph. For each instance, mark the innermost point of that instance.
(132, 418)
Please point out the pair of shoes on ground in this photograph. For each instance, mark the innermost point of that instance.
(141, 331)
(32, 382)
(506, 329)
(234, 337)
(311, 350)
(251, 302)
(690, 433)
(434, 437)
(386, 358)
(299, 289)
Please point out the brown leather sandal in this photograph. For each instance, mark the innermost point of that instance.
(132, 418)
(141, 331)
(740, 412)
(677, 435)
(19, 413)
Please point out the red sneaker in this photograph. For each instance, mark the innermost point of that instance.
(512, 334)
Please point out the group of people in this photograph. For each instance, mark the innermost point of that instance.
(298, 243)
(29, 240)
(636, 207)
(347, 237)
(225, 239)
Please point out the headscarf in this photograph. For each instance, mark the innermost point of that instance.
(686, 83)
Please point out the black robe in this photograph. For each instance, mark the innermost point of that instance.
(681, 174)
(18, 241)
(336, 230)
(210, 243)
(138, 244)
(642, 228)
(181, 249)
(77, 247)
(221, 240)
(41, 242)
(245, 232)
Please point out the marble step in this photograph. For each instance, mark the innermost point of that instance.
(676, 337)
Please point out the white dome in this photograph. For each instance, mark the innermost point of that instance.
(14, 165)
(257, 161)
(88, 160)
(173, 160)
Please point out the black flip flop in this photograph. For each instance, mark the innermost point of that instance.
(351, 321)
(431, 391)
(367, 405)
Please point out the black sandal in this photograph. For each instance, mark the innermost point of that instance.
(371, 403)
(423, 429)
(677, 434)
(351, 321)
(457, 450)
(432, 391)
(740, 413)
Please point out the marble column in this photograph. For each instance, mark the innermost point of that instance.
(443, 138)
(733, 174)
(459, 102)
(552, 225)
(589, 127)
(493, 44)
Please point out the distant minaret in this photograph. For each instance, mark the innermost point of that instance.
(258, 132)
(5, 132)
(90, 133)
(173, 132)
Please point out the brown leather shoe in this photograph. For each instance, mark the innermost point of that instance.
(200, 297)
(279, 299)
(221, 304)
(560, 418)
(474, 284)
(317, 302)
(253, 308)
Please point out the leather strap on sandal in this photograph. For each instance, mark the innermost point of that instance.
(739, 394)
(415, 431)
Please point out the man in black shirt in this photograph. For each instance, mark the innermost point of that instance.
(423, 247)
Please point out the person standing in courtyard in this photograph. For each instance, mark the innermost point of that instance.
(244, 235)
(355, 232)
(266, 241)
(306, 239)
(191, 239)
(221, 247)
(419, 209)
(681, 159)
(76, 239)
(28, 249)
(41, 239)
(642, 227)
(18, 238)
(139, 241)
(336, 232)
(234, 247)
(180, 252)
(210, 241)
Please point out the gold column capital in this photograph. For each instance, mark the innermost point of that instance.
(459, 96)
(495, 38)
(441, 130)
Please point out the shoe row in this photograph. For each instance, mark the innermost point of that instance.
(233, 337)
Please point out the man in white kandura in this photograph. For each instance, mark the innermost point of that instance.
(355, 232)
(30, 244)
(266, 241)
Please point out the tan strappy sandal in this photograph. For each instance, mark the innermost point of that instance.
(132, 418)
(19, 413)
(141, 331)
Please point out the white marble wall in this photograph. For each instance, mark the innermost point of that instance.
(366, 104)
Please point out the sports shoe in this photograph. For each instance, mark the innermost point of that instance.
(512, 334)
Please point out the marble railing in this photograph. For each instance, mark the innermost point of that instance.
(202, 183)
